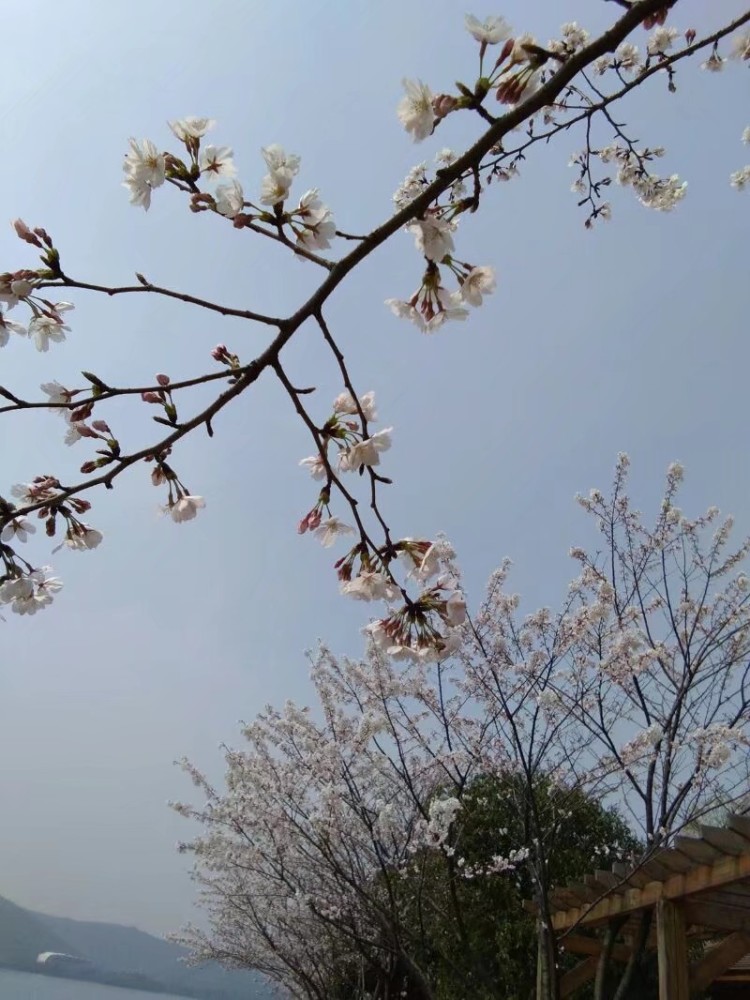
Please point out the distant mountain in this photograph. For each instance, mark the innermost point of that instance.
(120, 951)
(23, 936)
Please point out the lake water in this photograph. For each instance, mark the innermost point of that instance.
(26, 986)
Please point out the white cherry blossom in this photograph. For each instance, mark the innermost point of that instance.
(184, 508)
(191, 128)
(366, 452)
(370, 586)
(18, 529)
(217, 161)
(490, 31)
(229, 198)
(433, 237)
(345, 403)
(415, 111)
(478, 282)
(44, 329)
(328, 531)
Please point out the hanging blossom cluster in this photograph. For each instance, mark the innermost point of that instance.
(425, 626)
(433, 304)
(26, 589)
(46, 325)
(310, 223)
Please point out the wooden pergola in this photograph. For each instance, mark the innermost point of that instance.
(700, 891)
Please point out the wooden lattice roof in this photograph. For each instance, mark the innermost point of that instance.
(700, 883)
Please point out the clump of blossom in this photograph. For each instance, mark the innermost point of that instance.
(189, 129)
(145, 170)
(312, 222)
(661, 40)
(432, 304)
(27, 593)
(521, 75)
(659, 193)
(282, 169)
(229, 198)
(433, 237)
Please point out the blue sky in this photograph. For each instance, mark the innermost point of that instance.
(631, 338)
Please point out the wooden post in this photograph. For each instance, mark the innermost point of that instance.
(672, 951)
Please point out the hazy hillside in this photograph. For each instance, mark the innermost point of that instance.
(114, 948)
(23, 937)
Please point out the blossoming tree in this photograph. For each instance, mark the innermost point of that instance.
(325, 848)
(522, 95)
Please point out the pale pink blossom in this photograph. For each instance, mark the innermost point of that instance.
(478, 282)
(185, 508)
(229, 198)
(443, 306)
(315, 466)
(366, 452)
(433, 237)
(740, 178)
(43, 329)
(191, 128)
(328, 531)
(490, 31)
(370, 586)
(18, 529)
(345, 403)
(455, 608)
(7, 327)
(661, 40)
(30, 593)
(318, 226)
(83, 537)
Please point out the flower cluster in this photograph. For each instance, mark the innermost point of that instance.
(658, 193)
(741, 178)
(47, 324)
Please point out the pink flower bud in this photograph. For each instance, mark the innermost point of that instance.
(101, 425)
(151, 397)
(443, 104)
(163, 379)
(24, 233)
(690, 36)
(220, 352)
(85, 431)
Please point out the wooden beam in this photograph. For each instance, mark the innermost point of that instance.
(697, 850)
(724, 840)
(717, 915)
(725, 871)
(741, 825)
(577, 976)
(610, 880)
(676, 861)
(717, 960)
(579, 944)
(672, 951)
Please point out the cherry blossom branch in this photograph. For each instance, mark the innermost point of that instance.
(146, 286)
(203, 419)
(110, 392)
